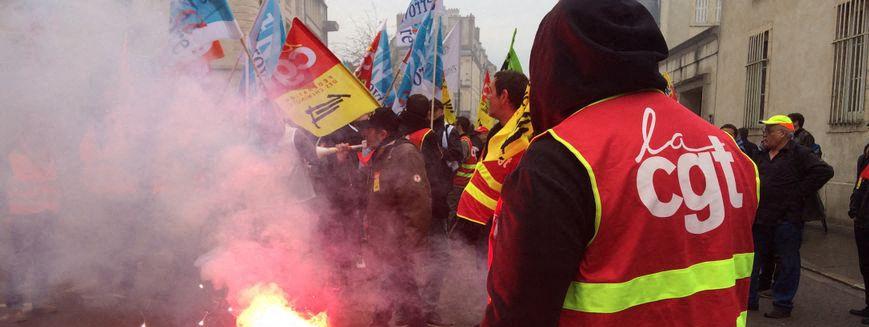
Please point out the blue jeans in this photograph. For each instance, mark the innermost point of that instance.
(783, 240)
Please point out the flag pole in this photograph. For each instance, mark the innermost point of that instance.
(434, 74)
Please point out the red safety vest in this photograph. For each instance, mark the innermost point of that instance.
(675, 202)
(467, 168)
(418, 137)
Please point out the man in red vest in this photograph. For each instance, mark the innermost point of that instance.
(627, 209)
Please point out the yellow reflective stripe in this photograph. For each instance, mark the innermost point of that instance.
(469, 166)
(481, 197)
(487, 176)
(465, 175)
(742, 320)
(670, 284)
(592, 178)
(471, 220)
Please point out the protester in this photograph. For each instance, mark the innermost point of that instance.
(815, 210)
(745, 145)
(415, 124)
(789, 174)
(729, 129)
(584, 237)
(859, 212)
(450, 138)
(802, 136)
(398, 215)
(31, 208)
(467, 167)
(476, 203)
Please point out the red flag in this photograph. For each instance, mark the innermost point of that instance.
(363, 72)
(313, 87)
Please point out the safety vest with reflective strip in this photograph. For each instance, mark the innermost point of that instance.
(31, 189)
(675, 200)
(467, 168)
(418, 137)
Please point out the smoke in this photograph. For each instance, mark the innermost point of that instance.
(163, 184)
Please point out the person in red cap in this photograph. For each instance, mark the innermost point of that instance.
(789, 174)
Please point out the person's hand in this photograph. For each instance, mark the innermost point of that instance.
(343, 151)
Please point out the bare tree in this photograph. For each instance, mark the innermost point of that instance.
(365, 27)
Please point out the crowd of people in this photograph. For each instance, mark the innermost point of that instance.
(626, 208)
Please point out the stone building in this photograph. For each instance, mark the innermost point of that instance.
(738, 61)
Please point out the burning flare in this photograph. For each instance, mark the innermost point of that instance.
(268, 307)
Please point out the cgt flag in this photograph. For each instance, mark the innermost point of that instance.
(196, 26)
(313, 88)
(483, 118)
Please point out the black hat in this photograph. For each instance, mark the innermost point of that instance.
(416, 115)
(384, 118)
(588, 50)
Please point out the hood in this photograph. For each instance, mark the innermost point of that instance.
(588, 50)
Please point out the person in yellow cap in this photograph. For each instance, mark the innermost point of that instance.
(789, 174)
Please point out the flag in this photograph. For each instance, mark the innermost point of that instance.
(483, 118)
(266, 41)
(363, 72)
(452, 49)
(196, 26)
(419, 70)
(313, 88)
(416, 14)
(503, 153)
(512, 61)
(375, 71)
(671, 89)
(449, 111)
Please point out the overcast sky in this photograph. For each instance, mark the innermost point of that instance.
(496, 20)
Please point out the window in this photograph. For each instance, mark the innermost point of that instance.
(849, 64)
(707, 12)
(756, 72)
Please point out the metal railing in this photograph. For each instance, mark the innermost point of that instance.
(756, 71)
(849, 64)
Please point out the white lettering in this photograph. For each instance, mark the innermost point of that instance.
(702, 158)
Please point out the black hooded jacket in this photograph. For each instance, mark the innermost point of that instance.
(585, 51)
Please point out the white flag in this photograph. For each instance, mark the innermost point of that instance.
(416, 12)
(452, 48)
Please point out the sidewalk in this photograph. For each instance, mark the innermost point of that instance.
(833, 255)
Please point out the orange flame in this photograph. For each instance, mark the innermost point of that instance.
(269, 308)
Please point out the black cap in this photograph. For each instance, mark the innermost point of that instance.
(384, 118)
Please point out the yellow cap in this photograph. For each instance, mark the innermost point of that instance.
(781, 120)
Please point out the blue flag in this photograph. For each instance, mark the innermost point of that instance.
(381, 72)
(196, 24)
(421, 66)
(266, 40)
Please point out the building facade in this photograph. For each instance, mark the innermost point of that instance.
(760, 58)
(473, 61)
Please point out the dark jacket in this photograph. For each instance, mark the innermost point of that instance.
(789, 183)
(859, 207)
(748, 147)
(399, 201)
(806, 139)
(584, 51)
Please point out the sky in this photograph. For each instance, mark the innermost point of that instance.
(496, 20)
